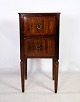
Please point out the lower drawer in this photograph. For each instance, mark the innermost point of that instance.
(39, 47)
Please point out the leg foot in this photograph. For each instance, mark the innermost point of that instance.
(22, 75)
(55, 75)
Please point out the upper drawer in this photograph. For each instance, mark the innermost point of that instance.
(39, 25)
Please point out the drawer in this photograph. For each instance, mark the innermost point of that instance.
(44, 25)
(38, 47)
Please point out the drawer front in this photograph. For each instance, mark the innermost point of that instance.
(36, 47)
(39, 25)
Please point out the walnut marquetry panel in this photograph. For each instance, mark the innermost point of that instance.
(39, 47)
(39, 25)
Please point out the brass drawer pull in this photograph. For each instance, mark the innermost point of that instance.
(38, 47)
(39, 26)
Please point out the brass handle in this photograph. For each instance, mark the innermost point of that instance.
(38, 47)
(39, 26)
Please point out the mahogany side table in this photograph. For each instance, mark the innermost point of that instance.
(39, 38)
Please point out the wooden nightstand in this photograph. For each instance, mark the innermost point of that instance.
(39, 38)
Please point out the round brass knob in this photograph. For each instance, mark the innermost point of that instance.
(38, 47)
(39, 26)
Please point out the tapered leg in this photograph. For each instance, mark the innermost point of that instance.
(52, 69)
(22, 75)
(25, 63)
(55, 75)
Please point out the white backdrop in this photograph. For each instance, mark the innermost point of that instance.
(69, 34)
